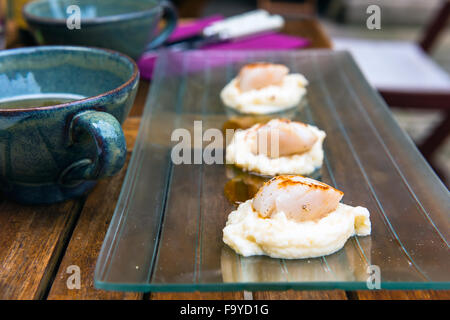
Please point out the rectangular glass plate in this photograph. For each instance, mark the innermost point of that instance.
(166, 232)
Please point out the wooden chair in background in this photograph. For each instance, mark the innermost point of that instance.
(407, 77)
(289, 9)
(190, 8)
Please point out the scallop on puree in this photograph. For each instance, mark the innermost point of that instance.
(262, 88)
(280, 146)
(294, 217)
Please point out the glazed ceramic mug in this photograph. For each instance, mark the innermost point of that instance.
(61, 110)
(128, 26)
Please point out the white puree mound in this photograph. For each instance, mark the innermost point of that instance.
(278, 237)
(239, 153)
(270, 99)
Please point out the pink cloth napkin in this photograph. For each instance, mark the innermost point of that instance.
(193, 28)
(268, 41)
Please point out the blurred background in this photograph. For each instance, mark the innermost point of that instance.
(406, 26)
(402, 20)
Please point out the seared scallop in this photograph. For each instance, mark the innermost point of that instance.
(258, 75)
(264, 88)
(300, 198)
(282, 137)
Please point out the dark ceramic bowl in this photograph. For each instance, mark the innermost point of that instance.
(128, 26)
(61, 110)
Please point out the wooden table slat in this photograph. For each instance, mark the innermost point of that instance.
(300, 295)
(403, 295)
(196, 295)
(32, 239)
(88, 236)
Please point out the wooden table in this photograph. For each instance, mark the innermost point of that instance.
(39, 243)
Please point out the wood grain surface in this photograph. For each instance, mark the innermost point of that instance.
(310, 29)
(196, 295)
(86, 241)
(402, 295)
(32, 240)
(300, 295)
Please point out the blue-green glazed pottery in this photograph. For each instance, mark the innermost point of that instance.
(57, 150)
(128, 26)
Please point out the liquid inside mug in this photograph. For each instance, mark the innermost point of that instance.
(130, 26)
(61, 110)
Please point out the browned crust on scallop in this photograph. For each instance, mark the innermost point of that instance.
(287, 181)
(254, 65)
(258, 64)
(290, 121)
(285, 120)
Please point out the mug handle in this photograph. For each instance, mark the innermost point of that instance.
(106, 132)
(170, 14)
